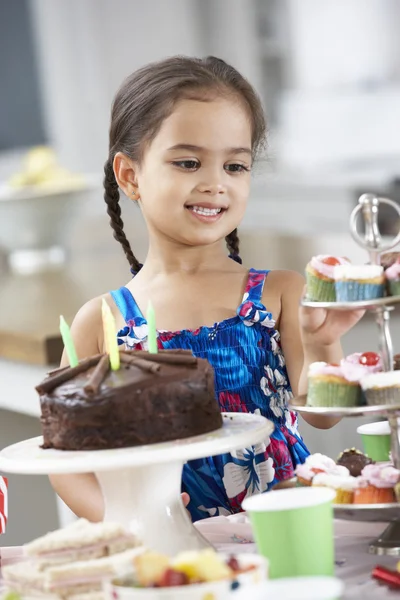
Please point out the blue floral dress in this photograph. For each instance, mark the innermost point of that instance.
(250, 376)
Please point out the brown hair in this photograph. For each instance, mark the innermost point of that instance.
(147, 97)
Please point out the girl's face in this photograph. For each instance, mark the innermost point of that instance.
(194, 179)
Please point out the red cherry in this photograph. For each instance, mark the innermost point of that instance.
(331, 260)
(233, 564)
(370, 359)
(172, 578)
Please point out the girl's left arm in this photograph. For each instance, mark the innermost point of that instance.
(309, 335)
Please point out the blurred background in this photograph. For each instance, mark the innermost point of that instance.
(328, 72)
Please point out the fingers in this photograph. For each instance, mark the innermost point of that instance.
(185, 499)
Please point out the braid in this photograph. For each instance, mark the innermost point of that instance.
(111, 197)
(232, 242)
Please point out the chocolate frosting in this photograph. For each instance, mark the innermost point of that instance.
(389, 258)
(131, 406)
(354, 460)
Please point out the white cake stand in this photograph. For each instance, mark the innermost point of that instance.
(141, 486)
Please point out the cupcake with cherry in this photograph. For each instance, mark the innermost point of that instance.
(336, 279)
(320, 277)
(338, 385)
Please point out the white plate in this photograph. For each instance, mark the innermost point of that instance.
(367, 304)
(239, 430)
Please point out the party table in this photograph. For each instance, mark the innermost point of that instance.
(353, 563)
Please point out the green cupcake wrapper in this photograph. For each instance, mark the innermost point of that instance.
(389, 395)
(327, 394)
(394, 288)
(319, 290)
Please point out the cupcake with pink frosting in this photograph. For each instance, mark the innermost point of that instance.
(357, 365)
(320, 277)
(376, 484)
(329, 386)
(316, 464)
(392, 275)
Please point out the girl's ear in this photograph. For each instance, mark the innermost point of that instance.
(125, 173)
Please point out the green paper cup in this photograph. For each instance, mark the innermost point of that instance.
(376, 440)
(293, 528)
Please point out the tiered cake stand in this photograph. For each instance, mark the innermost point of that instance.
(141, 486)
(389, 541)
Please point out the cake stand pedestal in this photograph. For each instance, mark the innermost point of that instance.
(141, 485)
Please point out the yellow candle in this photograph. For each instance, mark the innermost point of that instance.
(110, 336)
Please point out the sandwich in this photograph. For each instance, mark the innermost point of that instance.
(79, 541)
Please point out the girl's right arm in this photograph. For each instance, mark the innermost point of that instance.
(81, 492)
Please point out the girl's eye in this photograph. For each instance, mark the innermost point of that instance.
(236, 168)
(189, 165)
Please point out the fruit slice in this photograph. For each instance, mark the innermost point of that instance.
(331, 260)
(150, 568)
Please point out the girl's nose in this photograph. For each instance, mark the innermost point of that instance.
(212, 189)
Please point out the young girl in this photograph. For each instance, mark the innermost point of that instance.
(183, 139)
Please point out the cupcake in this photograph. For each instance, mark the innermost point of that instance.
(392, 275)
(344, 486)
(376, 484)
(315, 464)
(382, 388)
(358, 282)
(389, 258)
(354, 461)
(328, 386)
(320, 279)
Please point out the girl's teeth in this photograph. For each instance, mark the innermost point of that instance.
(206, 211)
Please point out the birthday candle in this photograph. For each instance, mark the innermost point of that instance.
(152, 331)
(68, 343)
(110, 336)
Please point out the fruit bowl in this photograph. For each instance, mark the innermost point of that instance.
(217, 590)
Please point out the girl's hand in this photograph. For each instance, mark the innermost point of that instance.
(322, 327)
(185, 499)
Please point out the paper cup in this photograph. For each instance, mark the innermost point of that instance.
(296, 588)
(294, 530)
(376, 440)
(217, 590)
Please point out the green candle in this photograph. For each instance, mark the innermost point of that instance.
(68, 343)
(152, 333)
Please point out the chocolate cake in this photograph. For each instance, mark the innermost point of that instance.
(152, 398)
(354, 460)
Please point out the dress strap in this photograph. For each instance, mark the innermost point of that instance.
(252, 310)
(255, 286)
(126, 304)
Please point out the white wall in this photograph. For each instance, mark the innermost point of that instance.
(339, 43)
(86, 48)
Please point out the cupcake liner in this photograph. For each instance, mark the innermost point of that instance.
(304, 482)
(344, 497)
(328, 394)
(394, 288)
(381, 395)
(373, 495)
(319, 290)
(350, 291)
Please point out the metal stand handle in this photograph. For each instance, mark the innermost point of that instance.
(368, 204)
